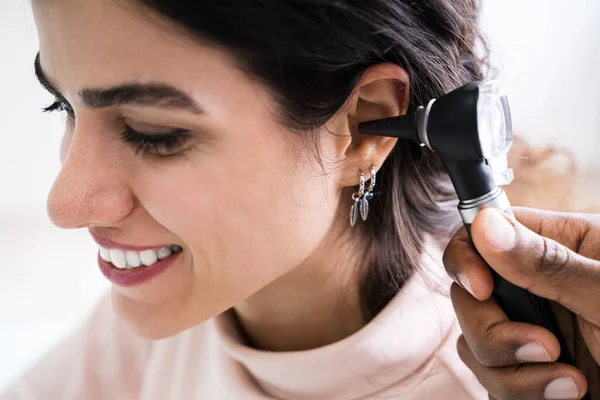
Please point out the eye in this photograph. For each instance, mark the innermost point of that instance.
(154, 144)
(60, 106)
(162, 145)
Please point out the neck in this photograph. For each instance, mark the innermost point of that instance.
(316, 304)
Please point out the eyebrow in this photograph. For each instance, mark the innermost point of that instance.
(134, 94)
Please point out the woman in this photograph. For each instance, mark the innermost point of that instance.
(212, 151)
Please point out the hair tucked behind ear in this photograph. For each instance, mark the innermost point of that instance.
(310, 54)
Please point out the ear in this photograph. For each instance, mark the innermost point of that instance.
(383, 91)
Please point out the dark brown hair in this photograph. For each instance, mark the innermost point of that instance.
(310, 54)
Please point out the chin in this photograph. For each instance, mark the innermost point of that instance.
(152, 321)
(151, 333)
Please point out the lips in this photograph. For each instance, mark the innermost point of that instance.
(128, 265)
(109, 244)
(135, 276)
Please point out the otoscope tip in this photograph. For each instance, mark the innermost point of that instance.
(402, 127)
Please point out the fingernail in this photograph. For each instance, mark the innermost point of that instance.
(533, 352)
(465, 282)
(500, 234)
(562, 389)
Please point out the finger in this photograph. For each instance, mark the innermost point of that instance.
(467, 268)
(538, 264)
(569, 229)
(494, 340)
(529, 381)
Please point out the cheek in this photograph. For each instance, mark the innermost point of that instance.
(248, 217)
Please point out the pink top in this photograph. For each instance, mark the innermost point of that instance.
(407, 352)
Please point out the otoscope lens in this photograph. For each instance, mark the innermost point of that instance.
(495, 133)
(497, 129)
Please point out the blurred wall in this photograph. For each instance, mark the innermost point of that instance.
(548, 54)
(547, 51)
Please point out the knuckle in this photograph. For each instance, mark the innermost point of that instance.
(592, 221)
(455, 299)
(573, 230)
(552, 259)
(463, 350)
(453, 256)
(511, 393)
(448, 257)
(484, 353)
(512, 390)
(485, 358)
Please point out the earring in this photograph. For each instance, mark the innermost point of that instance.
(362, 197)
(357, 199)
(368, 196)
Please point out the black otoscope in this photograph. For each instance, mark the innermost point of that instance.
(471, 130)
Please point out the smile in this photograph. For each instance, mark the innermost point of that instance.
(125, 265)
(122, 259)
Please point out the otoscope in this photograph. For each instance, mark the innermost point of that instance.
(470, 129)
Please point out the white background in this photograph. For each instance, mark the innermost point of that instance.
(548, 52)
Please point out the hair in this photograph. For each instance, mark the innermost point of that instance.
(310, 54)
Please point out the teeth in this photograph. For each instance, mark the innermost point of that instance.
(133, 259)
(117, 257)
(164, 252)
(148, 257)
(105, 254)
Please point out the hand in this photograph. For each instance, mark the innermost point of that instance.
(552, 255)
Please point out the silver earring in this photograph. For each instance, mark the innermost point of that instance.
(362, 197)
(368, 195)
(357, 198)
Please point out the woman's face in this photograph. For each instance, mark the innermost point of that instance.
(238, 192)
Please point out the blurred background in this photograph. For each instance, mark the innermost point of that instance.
(546, 54)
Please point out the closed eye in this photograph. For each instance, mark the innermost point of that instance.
(162, 145)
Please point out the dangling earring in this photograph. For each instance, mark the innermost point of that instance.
(362, 197)
(357, 198)
(368, 196)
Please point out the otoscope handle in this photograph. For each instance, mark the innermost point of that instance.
(518, 304)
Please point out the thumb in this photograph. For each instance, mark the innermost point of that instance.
(541, 265)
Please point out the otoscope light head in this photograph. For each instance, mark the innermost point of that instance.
(472, 122)
(470, 129)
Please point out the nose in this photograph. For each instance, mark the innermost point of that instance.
(91, 188)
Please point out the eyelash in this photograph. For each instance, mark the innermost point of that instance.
(161, 145)
(60, 106)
